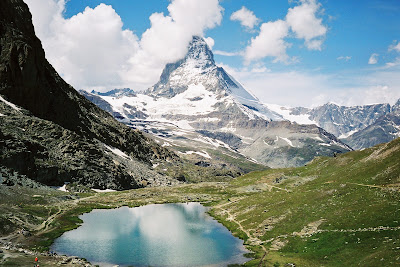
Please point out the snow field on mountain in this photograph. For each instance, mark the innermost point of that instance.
(285, 113)
(196, 100)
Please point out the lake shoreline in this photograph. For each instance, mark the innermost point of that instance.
(37, 245)
(72, 243)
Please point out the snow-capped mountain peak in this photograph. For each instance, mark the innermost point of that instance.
(199, 54)
(198, 68)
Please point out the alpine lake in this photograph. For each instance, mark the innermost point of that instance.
(180, 234)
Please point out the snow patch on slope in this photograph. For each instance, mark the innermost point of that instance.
(10, 104)
(345, 135)
(203, 153)
(285, 113)
(287, 141)
(118, 152)
(103, 190)
(63, 188)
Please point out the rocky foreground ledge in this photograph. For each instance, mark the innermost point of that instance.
(26, 256)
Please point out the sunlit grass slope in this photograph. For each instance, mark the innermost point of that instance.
(339, 211)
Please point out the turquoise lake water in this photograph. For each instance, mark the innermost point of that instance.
(156, 235)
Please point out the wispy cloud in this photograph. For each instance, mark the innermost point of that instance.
(394, 63)
(373, 59)
(394, 46)
(344, 58)
(227, 54)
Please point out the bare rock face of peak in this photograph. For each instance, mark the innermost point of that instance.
(77, 141)
(396, 107)
(200, 53)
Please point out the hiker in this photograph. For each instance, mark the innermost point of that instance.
(36, 259)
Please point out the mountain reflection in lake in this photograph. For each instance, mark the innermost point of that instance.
(156, 235)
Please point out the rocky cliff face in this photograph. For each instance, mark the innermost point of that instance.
(70, 126)
(342, 121)
(209, 106)
(384, 129)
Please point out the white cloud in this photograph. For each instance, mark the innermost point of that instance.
(373, 59)
(394, 46)
(302, 20)
(210, 42)
(304, 23)
(269, 43)
(344, 58)
(245, 17)
(47, 15)
(91, 50)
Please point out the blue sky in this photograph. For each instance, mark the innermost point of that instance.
(354, 60)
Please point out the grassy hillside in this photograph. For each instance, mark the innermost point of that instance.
(341, 211)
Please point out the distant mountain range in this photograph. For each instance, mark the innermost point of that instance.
(197, 108)
(358, 126)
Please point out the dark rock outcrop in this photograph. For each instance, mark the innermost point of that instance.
(65, 137)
